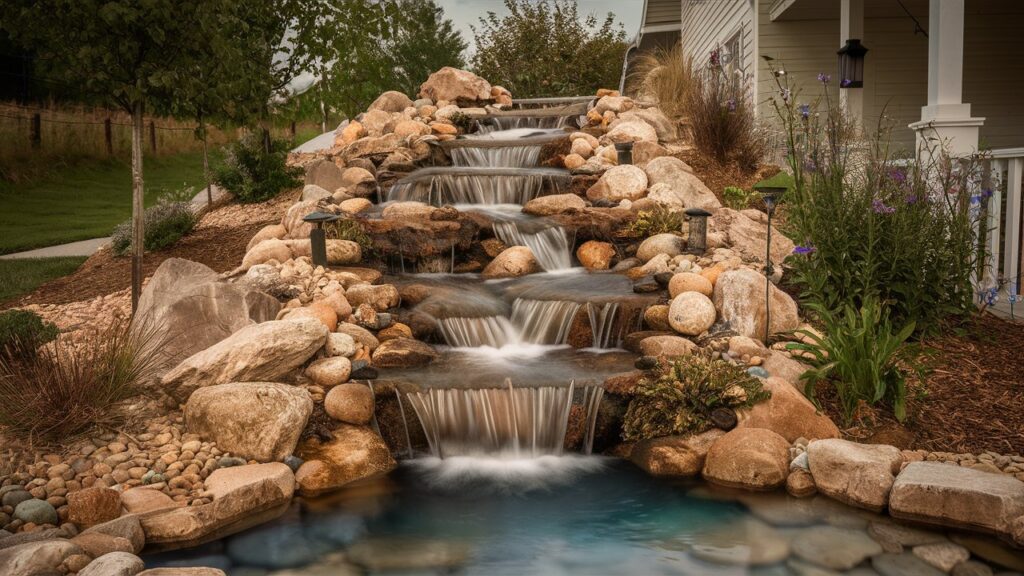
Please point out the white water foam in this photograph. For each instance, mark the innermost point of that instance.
(506, 473)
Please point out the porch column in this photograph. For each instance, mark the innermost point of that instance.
(946, 121)
(851, 25)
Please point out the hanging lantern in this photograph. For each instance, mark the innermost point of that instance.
(851, 64)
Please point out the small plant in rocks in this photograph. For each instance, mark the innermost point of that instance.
(683, 400)
(165, 224)
(349, 229)
(735, 197)
(22, 332)
(659, 220)
(254, 174)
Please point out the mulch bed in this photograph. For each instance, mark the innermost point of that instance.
(970, 400)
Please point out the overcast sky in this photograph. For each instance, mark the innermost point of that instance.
(465, 13)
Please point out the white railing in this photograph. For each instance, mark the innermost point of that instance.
(1002, 236)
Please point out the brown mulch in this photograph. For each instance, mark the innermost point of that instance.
(219, 241)
(970, 399)
(718, 177)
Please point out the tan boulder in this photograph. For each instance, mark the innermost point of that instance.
(350, 133)
(259, 352)
(258, 421)
(452, 84)
(350, 403)
(800, 484)
(379, 296)
(94, 505)
(329, 371)
(114, 564)
(674, 456)
(574, 161)
(359, 181)
(739, 298)
(268, 232)
(403, 353)
(595, 255)
(312, 192)
(667, 346)
(787, 413)
(143, 499)
(405, 210)
(664, 243)
(391, 101)
(407, 128)
(375, 121)
(656, 318)
(691, 313)
(687, 190)
(783, 366)
(36, 558)
(360, 335)
(748, 458)
(96, 544)
(749, 237)
(343, 252)
(340, 344)
(614, 103)
(635, 130)
(373, 146)
(355, 205)
(856, 474)
(689, 282)
(582, 148)
(272, 249)
(554, 204)
(511, 263)
(325, 313)
(292, 220)
(355, 453)
(325, 174)
(620, 183)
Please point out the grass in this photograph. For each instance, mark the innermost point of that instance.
(86, 201)
(19, 277)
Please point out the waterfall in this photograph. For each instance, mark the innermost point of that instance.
(438, 186)
(602, 322)
(498, 156)
(494, 331)
(544, 321)
(550, 245)
(495, 123)
(517, 421)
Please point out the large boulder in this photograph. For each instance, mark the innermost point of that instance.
(511, 263)
(635, 130)
(684, 187)
(343, 252)
(391, 101)
(662, 124)
(325, 174)
(255, 420)
(554, 204)
(857, 474)
(189, 303)
(114, 564)
(355, 452)
(242, 497)
(595, 255)
(350, 403)
(748, 458)
(749, 236)
(93, 505)
(667, 345)
(664, 243)
(787, 413)
(626, 182)
(689, 282)
(36, 558)
(691, 313)
(379, 296)
(259, 352)
(403, 353)
(292, 220)
(674, 456)
(265, 251)
(937, 493)
(740, 300)
(455, 85)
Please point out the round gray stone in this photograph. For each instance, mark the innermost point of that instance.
(14, 497)
(37, 512)
(905, 564)
(834, 548)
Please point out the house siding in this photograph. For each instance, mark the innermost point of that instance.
(707, 24)
(660, 12)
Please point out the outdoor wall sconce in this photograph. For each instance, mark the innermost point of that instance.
(625, 152)
(697, 243)
(851, 64)
(770, 195)
(318, 236)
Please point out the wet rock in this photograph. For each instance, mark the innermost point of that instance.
(685, 190)
(513, 262)
(361, 370)
(619, 183)
(114, 564)
(749, 458)
(409, 554)
(723, 418)
(94, 505)
(36, 512)
(36, 558)
(944, 555)
(667, 346)
(663, 279)
(275, 546)
(739, 298)
(689, 282)
(646, 285)
(893, 536)
(744, 542)
(669, 244)
(258, 352)
(691, 313)
(800, 484)
(257, 420)
(834, 548)
(646, 363)
(656, 318)
(788, 413)
(554, 204)
(674, 456)
(355, 452)
(971, 568)
(350, 403)
(857, 474)
(403, 353)
(905, 564)
(595, 255)
(455, 85)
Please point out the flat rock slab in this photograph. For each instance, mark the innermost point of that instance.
(857, 474)
(834, 548)
(745, 542)
(956, 496)
(35, 558)
(905, 564)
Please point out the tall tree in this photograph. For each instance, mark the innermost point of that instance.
(546, 48)
(423, 42)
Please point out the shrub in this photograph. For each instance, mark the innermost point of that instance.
(22, 331)
(681, 401)
(165, 224)
(349, 229)
(251, 173)
(67, 388)
(870, 230)
(860, 355)
(736, 198)
(657, 221)
(665, 75)
(722, 116)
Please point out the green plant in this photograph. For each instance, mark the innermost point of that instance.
(251, 173)
(350, 229)
(681, 401)
(860, 355)
(22, 332)
(665, 75)
(736, 198)
(659, 220)
(461, 121)
(68, 388)
(166, 223)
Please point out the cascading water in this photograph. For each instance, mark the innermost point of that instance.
(501, 156)
(550, 245)
(440, 186)
(498, 123)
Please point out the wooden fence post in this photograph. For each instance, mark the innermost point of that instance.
(36, 131)
(152, 136)
(108, 135)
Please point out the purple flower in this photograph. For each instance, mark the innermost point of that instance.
(986, 193)
(810, 165)
(911, 199)
(845, 83)
(898, 175)
(879, 207)
(824, 78)
(803, 250)
(805, 111)
(731, 104)
(715, 58)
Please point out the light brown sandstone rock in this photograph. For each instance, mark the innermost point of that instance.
(403, 353)
(691, 313)
(667, 346)
(740, 299)
(452, 84)
(857, 474)
(93, 505)
(356, 452)
(687, 190)
(620, 183)
(329, 371)
(554, 204)
(787, 413)
(689, 282)
(350, 403)
(674, 456)
(748, 458)
(595, 255)
(511, 263)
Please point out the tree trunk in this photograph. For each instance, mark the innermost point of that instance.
(138, 208)
(206, 165)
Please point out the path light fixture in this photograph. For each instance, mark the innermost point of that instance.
(625, 152)
(771, 196)
(697, 243)
(851, 64)
(318, 236)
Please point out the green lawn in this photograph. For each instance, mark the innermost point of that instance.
(18, 277)
(86, 201)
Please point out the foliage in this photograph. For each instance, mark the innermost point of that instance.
(904, 235)
(22, 331)
(68, 388)
(252, 174)
(546, 48)
(860, 355)
(461, 121)
(349, 229)
(721, 115)
(736, 198)
(681, 401)
(658, 220)
(166, 223)
(665, 74)
(20, 276)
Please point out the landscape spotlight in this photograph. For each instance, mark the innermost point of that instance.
(318, 237)
(697, 243)
(771, 196)
(625, 152)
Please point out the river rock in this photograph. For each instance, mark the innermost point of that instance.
(834, 548)
(330, 371)
(275, 547)
(127, 527)
(663, 125)
(314, 193)
(740, 299)
(937, 493)
(379, 296)
(749, 458)
(455, 85)
(189, 303)
(96, 544)
(626, 182)
(667, 244)
(674, 456)
(554, 204)
(294, 223)
(359, 181)
(270, 231)
(403, 353)
(36, 558)
(749, 237)
(350, 403)
(360, 335)
(595, 255)
(325, 174)
(340, 344)
(142, 499)
(36, 511)
(742, 542)
(258, 352)
(857, 474)
(686, 188)
(632, 131)
(689, 282)
(800, 484)
(905, 564)
(667, 346)
(942, 555)
(656, 318)
(93, 505)
(511, 263)
(691, 313)
(242, 497)
(355, 452)
(788, 413)
(255, 420)
(343, 252)
(114, 564)
(391, 101)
